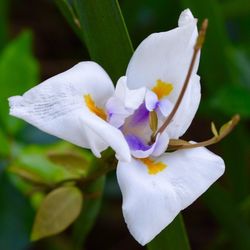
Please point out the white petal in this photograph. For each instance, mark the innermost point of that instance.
(164, 56)
(151, 202)
(167, 56)
(151, 100)
(187, 109)
(161, 145)
(56, 105)
(117, 112)
(165, 107)
(132, 99)
(111, 135)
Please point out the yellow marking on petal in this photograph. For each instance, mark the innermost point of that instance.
(93, 108)
(153, 167)
(162, 89)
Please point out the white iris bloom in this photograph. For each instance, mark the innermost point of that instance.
(82, 107)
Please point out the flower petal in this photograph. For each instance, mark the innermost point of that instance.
(108, 133)
(161, 144)
(152, 201)
(117, 113)
(187, 109)
(151, 100)
(132, 99)
(56, 105)
(166, 57)
(165, 107)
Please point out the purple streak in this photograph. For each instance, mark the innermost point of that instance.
(141, 115)
(135, 143)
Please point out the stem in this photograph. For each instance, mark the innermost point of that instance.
(197, 47)
(224, 131)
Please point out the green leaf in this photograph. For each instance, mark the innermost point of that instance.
(214, 51)
(172, 237)
(87, 218)
(69, 14)
(52, 164)
(4, 144)
(232, 99)
(76, 164)
(18, 72)
(16, 216)
(58, 210)
(105, 34)
(226, 211)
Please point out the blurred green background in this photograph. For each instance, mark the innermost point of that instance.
(36, 42)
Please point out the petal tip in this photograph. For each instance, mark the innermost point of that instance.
(185, 18)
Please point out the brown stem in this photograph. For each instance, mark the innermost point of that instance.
(224, 131)
(197, 47)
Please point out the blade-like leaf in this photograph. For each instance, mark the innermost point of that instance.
(89, 213)
(172, 238)
(69, 14)
(57, 211)
(105, 34)
(16, 217)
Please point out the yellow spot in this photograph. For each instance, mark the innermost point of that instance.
(93, 108)
(162, 89)
(153, 167)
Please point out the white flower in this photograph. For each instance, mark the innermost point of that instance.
(82, 107)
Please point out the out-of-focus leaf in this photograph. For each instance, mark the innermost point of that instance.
(232, 99)
(75, 163)
(57, 211)
(87, 218)
(69, 14)
(235, 8)
(4, 144)
(105, 34)
(214, 64)
(228, 215)
(240, 64)
(245, 208)
(52, 164)
(172, 237)
(18, 72)
(16, 217)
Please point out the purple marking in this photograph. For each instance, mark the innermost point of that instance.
(141, 115)
(135, 143)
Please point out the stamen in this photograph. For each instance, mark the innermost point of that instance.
(153, 122)
(197, 47)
